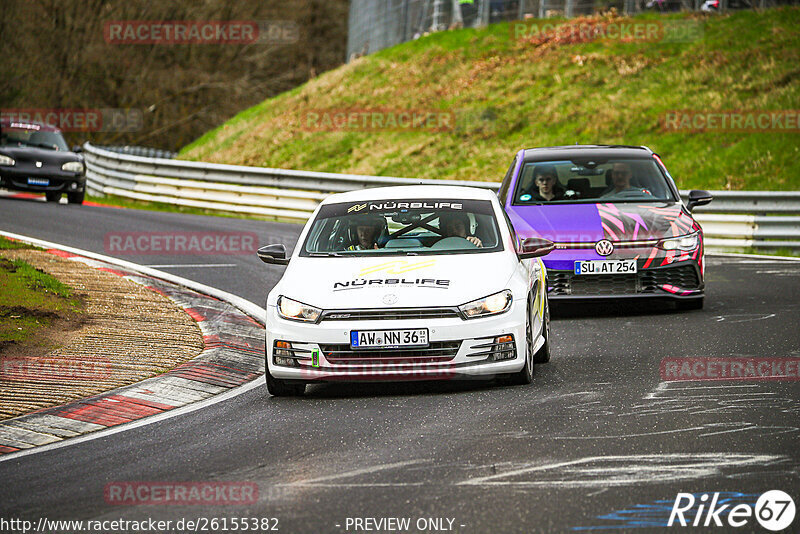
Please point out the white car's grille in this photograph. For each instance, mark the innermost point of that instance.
(438, 351)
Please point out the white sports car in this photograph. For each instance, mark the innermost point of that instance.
(407, 283)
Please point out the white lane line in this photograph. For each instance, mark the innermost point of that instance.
(713, 387)
(190, 265)
(748, 262)
(737, 255)
(628, 470)
(355, 472)
(618, 436)
(354, 485)
(744, 317)
(250, 308)
(742, 429)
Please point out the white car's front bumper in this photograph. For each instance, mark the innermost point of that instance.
(455, 344)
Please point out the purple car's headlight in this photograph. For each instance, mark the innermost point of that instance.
(684, 242)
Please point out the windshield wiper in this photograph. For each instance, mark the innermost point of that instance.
(37, 145)
(43, 145)
(324, 254)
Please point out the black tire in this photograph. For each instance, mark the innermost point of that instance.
(284, 388)
(525, 375)
(75, 198)
(543, 354)
(52, 196)
(694, 304)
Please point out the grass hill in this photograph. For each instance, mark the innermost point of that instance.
(505, 93)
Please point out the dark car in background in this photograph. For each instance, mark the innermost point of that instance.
(616, 216)
(34, 157)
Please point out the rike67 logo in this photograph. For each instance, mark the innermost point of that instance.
(774, 510)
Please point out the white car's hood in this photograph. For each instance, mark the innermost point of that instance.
(398, 281)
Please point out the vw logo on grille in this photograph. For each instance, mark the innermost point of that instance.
(38, 164)
(604, 247)
(389, 299)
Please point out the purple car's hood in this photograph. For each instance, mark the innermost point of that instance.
(589, 223)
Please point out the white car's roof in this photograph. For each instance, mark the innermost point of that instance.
(440, 192)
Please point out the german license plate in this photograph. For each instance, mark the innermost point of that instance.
(605, 267)
(364, 339)
(39, 181)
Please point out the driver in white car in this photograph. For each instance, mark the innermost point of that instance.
(367, 229)
(455, 225)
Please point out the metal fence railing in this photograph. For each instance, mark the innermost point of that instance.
(147, 152)
(373, 25)
(734, 220)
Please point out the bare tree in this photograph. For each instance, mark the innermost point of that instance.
(56, 56)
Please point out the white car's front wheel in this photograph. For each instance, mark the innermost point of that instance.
(284, 388)
(543, 354)
(525, 375)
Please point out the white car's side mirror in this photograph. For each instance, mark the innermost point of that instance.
(275, 254)
(534, 247)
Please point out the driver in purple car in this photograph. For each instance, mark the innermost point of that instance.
(545, 178)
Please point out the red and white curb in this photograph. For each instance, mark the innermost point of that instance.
(233, 356)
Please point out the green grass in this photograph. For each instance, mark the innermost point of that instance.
(39, 281)
(789, 253)
(30, 300)
(508, 94)
(10, 244)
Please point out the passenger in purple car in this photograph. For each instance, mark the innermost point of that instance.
(621, 182)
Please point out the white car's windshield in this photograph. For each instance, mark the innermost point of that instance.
(617, 180)
(403, 227)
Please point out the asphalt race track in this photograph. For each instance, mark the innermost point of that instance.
(597, 441)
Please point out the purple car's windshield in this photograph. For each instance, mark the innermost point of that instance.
(612, 180)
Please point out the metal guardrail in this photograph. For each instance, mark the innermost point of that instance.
(147, 152)
(734, 220)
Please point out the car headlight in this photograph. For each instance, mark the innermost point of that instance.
(72, 166)
(5, 160)
(685, 242)
(491, 305)
(297, 311)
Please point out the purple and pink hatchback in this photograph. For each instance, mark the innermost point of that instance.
(616, 218)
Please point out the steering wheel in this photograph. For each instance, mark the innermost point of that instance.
(453, 243)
